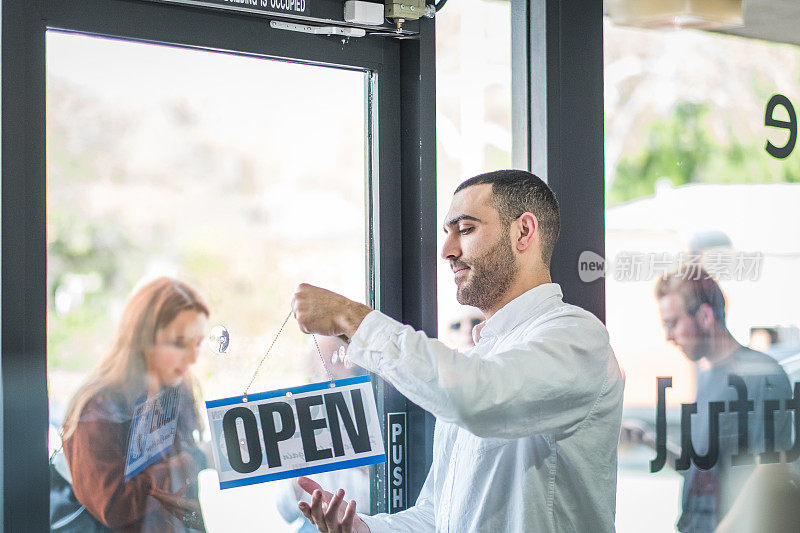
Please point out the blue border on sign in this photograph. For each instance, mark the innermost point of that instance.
(282, 392)
(352, 463)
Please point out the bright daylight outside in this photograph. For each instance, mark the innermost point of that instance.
(689, 182)
(195, 165)
(687, 177)
(239, 177)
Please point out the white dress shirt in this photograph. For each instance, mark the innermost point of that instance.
(527, 421)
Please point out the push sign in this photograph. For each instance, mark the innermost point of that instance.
(396, 466)
(295, 432)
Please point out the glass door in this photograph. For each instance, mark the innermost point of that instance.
(172, 169)
(152, 150)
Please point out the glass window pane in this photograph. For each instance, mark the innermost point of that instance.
(236, 175)
(473, 123)
(690, 184)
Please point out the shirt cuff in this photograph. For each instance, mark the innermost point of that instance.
(375, 524)
(376, 342)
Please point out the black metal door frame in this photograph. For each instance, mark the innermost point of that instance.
(557, 123)
(401, 111)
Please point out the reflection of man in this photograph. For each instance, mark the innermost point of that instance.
(528, 419)
(693, 313)
(459, 330)
(762, 339)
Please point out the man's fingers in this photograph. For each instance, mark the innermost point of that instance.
(306, 510)
(317, 511)
(331, 515)
(316, 501)
(325, 511)
(308, 485)
(349, 516)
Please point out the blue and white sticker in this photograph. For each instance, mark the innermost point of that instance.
(153, 428)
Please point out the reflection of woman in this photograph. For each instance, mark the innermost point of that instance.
(156, 344)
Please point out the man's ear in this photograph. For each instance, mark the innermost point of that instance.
(526, 231)
(705, 316)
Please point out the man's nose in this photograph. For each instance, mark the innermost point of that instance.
(450, 250)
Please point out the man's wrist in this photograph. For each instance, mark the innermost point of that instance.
(352, 317)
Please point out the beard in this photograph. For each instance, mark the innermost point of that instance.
(702, 346)
(490, 276)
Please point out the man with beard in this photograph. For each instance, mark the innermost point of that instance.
(692, 309)
(528, 419)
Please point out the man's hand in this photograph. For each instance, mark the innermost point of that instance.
(634, 432)
(326, 511)
(326, 313)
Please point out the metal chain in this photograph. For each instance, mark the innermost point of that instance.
(244, 396)
(258, 368)
(321, 358)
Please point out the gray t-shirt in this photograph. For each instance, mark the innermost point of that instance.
(709, 494)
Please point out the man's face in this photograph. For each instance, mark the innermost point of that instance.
(683, 329)
(478, 248)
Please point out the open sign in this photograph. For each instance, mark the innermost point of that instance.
(294, 432)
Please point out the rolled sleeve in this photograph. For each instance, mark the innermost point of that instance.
(376, 342)
(412, 519)
(375, 524)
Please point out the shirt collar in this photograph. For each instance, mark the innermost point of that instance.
(516, 311)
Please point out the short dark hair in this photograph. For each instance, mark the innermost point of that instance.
(694, 287)
(515, 192)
